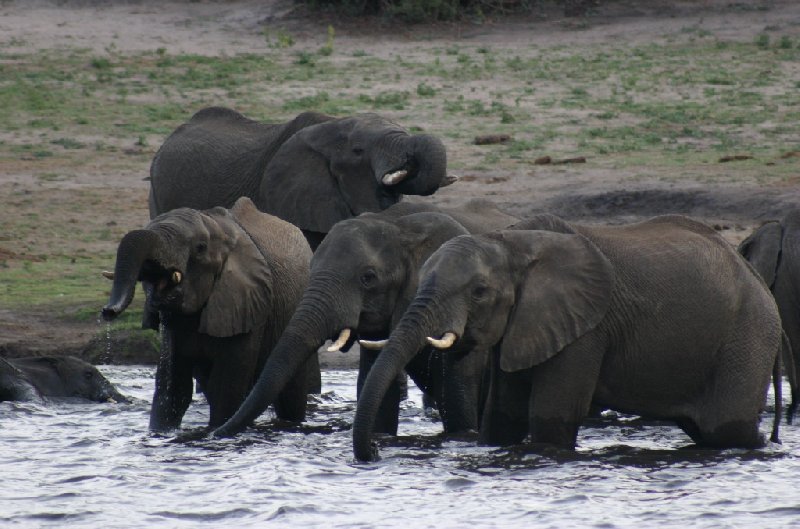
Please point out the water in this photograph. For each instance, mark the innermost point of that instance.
(95, 465)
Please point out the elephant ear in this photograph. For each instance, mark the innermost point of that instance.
(300, 185)
(564, 293)
(763, 249)
(240, 299)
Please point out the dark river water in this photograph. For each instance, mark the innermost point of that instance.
(95, 466)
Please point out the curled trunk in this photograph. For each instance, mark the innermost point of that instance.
(429, 158)
(134, 249)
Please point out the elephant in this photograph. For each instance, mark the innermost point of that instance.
(660, 318)
(774, 251)
(362, 277)
(312, 171)
(54, 377)
(225, 283)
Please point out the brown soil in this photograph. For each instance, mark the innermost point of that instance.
(589, 192)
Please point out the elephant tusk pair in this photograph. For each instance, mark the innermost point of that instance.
(373, 345)
(445, 342)
(390, 179)
(340, 341)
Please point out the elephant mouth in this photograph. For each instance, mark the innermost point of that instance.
(402, 173)
(163, 279)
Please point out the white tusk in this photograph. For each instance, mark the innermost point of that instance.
(444, 342)
(340, 341)
(373, 345)
(449, 179)
(107, 274)
(396, 177)
(111, 400)
(177, 277)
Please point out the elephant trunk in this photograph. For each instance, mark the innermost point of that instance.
(134, 249)
(405, 342)
(308, 329)
(419, 166)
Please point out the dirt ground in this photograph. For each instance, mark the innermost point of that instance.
(596, 192)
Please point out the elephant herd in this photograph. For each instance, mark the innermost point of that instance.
(267, 241)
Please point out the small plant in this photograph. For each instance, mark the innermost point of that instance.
(785, 43)
(425, 90)
(327, 49)
(305, 58)
(762, 41)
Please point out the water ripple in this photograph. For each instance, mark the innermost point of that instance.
(82, 465)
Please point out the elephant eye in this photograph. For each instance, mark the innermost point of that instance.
(358, 151)
(479, 292)
(201, 247)
(369, 278)
(88, 374)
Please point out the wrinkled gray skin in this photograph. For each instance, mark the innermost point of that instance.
(313, 171)
(362, 278)
(54, 377)
(774, 251)
(660, 318)
(225, 283)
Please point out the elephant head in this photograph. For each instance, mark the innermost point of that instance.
(362, 277)
(341, 168)
(194, 262)
(66, 377)
(523, 294)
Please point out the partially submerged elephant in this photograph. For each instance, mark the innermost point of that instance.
(363, 276)
(225, 283)
(660, 318)
(54, 377)
(312, 171)
(774, 251)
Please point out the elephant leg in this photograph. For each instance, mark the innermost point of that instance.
(314, 376)
(229, 381)
(563, 387)
(505, 415)
(388, 415)
(173, 388)
(462, 391)
(727, 416)
(291, 403)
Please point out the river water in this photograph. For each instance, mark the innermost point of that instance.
(81, 465)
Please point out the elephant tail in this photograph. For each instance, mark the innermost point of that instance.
(777, 382)
(791, 374)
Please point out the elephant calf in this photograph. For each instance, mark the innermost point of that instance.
(774, 251)
(60, 377)
(660, 318)
(225, 283)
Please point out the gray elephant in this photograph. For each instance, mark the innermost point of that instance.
(312, 171)
(774, 251)
(660, 318)
(54, 377)
(362, 278)
(225, 283)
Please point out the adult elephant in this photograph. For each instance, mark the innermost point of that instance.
(660, 318)
(225, 283)
(774, 251)
(362, 278)
(312, 171)
(54, 377)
